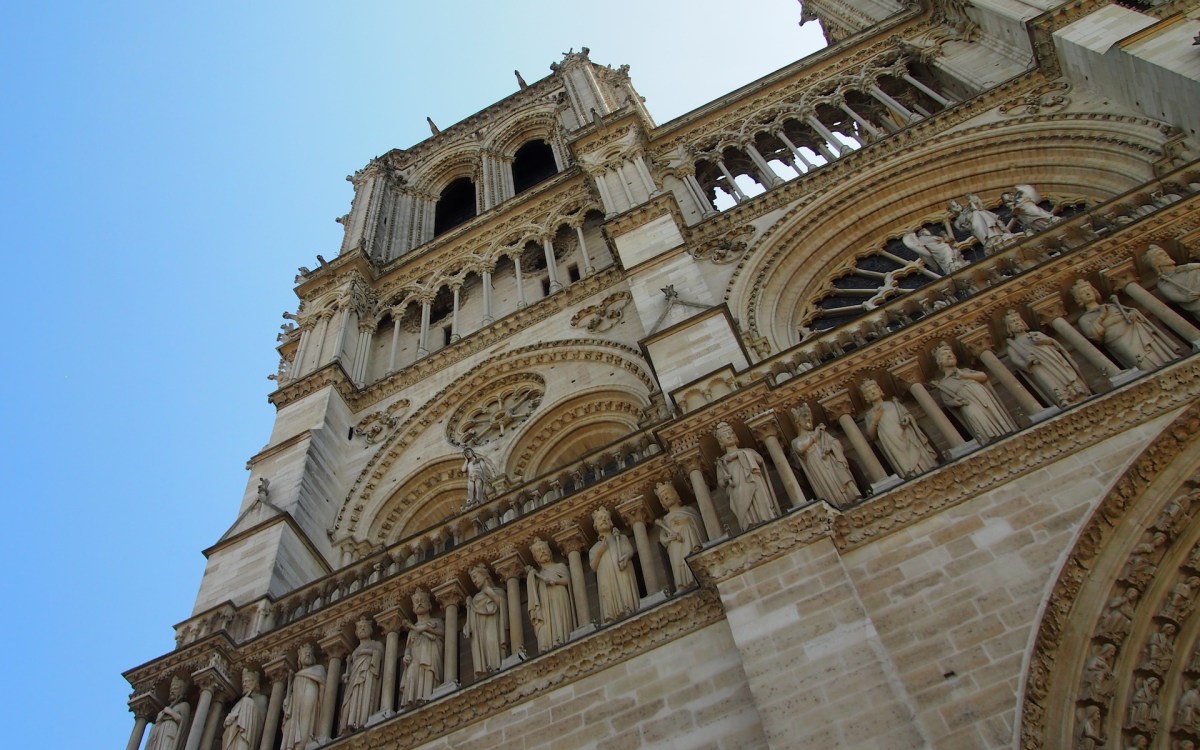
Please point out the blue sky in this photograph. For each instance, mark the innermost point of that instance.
(165, 170)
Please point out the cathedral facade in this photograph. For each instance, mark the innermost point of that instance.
(856, 408)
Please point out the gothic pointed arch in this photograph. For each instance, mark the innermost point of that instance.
(1089, 158)
(1116, 654)
(604, 361)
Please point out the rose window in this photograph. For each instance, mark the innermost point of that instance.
(496, 413)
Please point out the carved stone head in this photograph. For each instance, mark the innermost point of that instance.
(178, 689)
(803, 415)
(306, 655)
(420, 602)
(249, 681)
(1158, 259)
(944, 355)
(726, 436)
(541, 551)
(1084, 293)
(363, 629)
(1014, 323)
(602, 520)
(871, 391)
(481, 576)
(667, 495)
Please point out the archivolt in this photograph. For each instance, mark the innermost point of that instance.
(573, 427)
(1073, 154)
(364, 502)
(1156, 496)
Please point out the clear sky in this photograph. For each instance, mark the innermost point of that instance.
(166, 167)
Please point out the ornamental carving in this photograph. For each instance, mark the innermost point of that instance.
(491, 415)
(1048, 97)
(376, 423)
(603, 316)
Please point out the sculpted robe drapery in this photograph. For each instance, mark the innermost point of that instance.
(824, 463)
(1181, 285)
(487, 628)
(1132, 339)
(976, 403)
(301, 707)
(170, 727)
(1048, 366)
(422, 660)
(681, 536)
(901, 440)
(551, 610)
(363, 684)
(616, 580)
(743, 471)
(243, 725)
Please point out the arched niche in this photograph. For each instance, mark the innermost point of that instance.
(1074, 155)
(574, 427)
(425, 498)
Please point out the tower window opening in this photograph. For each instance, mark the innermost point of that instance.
(446, 336)
(546, 287)
(533, 163)
(456, 206)
(573, 272)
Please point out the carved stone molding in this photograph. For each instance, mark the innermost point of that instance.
(603, 315)
(762, 544)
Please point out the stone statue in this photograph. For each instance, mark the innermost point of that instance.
(301, 707)
(935, 251)
(1160, 649)
(423, 653)
(1045, 361)
(487, 622)
(1132, 339)
(823, 461)
(901, 440)
(244, 723)
(479, 477)
(1138, 742)
(363, 678)
(681, 532)
(1178, 284)
(1089, 735)
(969, 394)
(1143, 706)
(1025, 209)
(982, 223)
(1143, 561)
(1181, 599)
(171, 725)
(1097, 673)
(744, 474)
(551, 609)
(1118, 615)
(616, 581)
(1187, 715)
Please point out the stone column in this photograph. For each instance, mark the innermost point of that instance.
(926, 90)
(639, 165)
(391, 621)
(516, 259)
(487, 298)
(215, 716)
(825, 133)
(511, 567)
(396, 315)
(1160, 310)
(863, 123)
(362, 356)
(738, 195)
(145, 706)
(306, 329)
(423, 344)
(454, 332)
(1086, 349)
(770, 179)
(624, 181)
(214, 684)
(277, 670)
(336, 646)
(1009, 382)
(551, 265)
(694, 463)
(795, 151)
(838, 407)
(892, 104)
(339, 340)
(908, 373)
(702, 202)
(572, 540)
(588, 268)
(597, 175)
(636, 514)
(451, 595)
(766, 429)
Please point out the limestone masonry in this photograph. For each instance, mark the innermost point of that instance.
(857, 408)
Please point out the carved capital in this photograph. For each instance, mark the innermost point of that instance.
(976, 341)
(571, 537)
(450, 593)
(1120, 274)
(391, 620)
(1048, 308)
(635, 510)
(837, 405)
(337, 645)
(145, 705)
(765, 425)
(214, 677)
(907, 372)
(510, 565)
(279, 668)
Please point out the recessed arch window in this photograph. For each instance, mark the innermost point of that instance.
(533, 163)
(455, 206)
